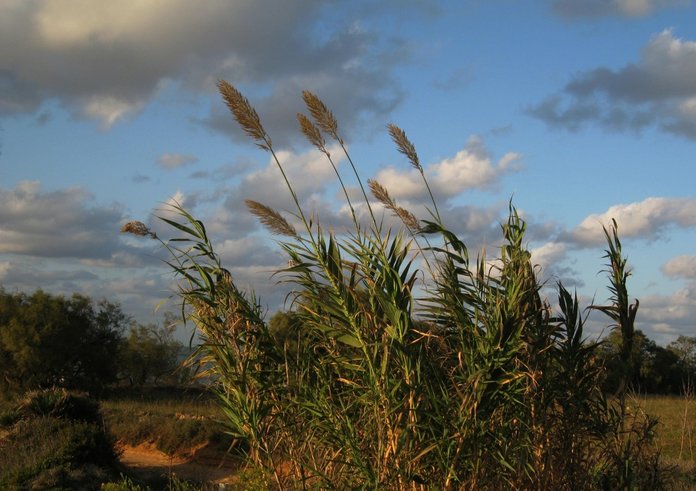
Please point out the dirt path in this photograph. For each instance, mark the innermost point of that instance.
(202, 464)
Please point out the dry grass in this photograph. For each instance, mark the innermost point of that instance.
(676, 432)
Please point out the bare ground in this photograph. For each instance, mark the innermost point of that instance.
(201, 464)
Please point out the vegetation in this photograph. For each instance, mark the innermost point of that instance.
(52, 341)
(476, 383)
(149, 354)
(55, 440)
(175, 420)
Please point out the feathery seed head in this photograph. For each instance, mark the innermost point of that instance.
(321, 114)
(273, 220)
(137, 228)
(312, 133)
(382, 195)
(404, 145)
(244, 114)
(408, 219)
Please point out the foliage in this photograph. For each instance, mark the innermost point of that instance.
(127, 484)
(149, 353)
(656, 370)
(59, 403)
(56, 444)
(48, 341)
(476, 383)
(684, 347)
(174, 420)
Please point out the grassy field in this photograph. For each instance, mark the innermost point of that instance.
(676, 433)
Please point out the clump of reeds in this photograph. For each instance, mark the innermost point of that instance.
(477, 384)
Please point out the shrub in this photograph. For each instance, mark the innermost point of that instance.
(60, 403)
(55, 440)
(55, 453)
(477, 383)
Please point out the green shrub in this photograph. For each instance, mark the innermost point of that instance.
(60, 403)
(56, 452)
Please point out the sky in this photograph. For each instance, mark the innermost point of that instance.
(579, 111)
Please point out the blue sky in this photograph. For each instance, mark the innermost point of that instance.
(579, 110)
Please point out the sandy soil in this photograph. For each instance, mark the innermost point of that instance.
(200, 464)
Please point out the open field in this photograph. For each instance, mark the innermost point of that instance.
(165, 431)
(676, 432)
(154, 416)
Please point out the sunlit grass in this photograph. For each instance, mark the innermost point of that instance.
(173, 420)
(676, 431)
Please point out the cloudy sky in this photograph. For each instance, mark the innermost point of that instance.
(579, 110)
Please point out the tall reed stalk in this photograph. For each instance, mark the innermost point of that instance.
(477, 383)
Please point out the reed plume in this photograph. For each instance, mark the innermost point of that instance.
(138, 228)
(273, 220)
(244, 114)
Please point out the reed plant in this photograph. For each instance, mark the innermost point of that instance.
(413, 367)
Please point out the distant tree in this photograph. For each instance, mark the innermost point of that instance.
(150, 353)
(48, 340)
(655, 370)
(684, 348)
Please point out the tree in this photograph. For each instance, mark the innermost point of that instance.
(684, 348)
(149, 353)
(655, 369)
(48, 340)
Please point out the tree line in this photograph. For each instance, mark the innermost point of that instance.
(79, 344)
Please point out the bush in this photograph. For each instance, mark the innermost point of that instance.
(57, 453)
(50, 341)
(60, 403)
(478, 383)
(56, 441)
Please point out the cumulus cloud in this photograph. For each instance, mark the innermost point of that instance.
(579, 9)
(664, 317)
(62, 223)
(657, 91)
(310, 174)
(470, 168)
(681, 267)
(175, 160)
(106, 60)
(645, 219)
(549, 254)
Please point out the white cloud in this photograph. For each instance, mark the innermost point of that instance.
(549, 254)
(470, 168)
(62, 223)
(680, 267)
(106, 60)
(175, 160)
(109, 109)
(645, 219)
(658, 90)
(666, 316)
(624, 8)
